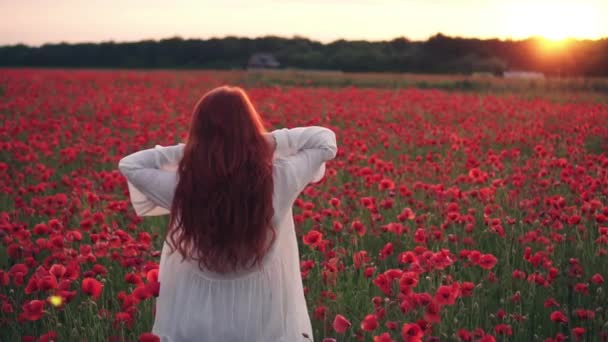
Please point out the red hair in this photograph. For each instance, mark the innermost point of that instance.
(222, 209)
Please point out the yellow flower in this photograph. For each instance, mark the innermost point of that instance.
(56, 300)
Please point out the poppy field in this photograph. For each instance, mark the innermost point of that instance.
(446, 216)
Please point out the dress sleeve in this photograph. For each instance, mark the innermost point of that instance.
(305, 151)
(152, 177)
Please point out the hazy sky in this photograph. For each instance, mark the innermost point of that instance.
(36, 22)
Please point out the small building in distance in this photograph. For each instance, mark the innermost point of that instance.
(528, 75)
(263, 61)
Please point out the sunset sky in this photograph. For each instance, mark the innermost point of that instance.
(36, 22)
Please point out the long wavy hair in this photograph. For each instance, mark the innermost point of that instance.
(222, 209)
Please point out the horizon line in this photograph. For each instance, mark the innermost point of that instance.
(297, 36)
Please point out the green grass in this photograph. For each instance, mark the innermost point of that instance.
(562, 90)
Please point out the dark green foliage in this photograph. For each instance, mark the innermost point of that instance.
(439, 54)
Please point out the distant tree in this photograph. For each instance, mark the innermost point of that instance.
(438, 54)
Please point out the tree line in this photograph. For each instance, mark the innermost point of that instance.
(438, 54)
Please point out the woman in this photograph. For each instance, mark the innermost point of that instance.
(229, 267)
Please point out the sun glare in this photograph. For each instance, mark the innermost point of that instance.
(555, 21)
(548, 47)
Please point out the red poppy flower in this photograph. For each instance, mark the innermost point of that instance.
(7, 307)
(141, 292)
(578, 333)
(153, 288)
(319, 312)
(57, 270)
(312, 238)
(391, 325)
(487, 338)
(122, 318)
(406, 214)
(48, 337)
(360, 258)
(408, 281)
(446, 295)
(466, 289)
(464, 335)
(386, 184)
(487, 261)
(597, 279)
(369, 323)
(18, 273)
(334, 202)
(503, 329)
(411, 332)
(359, 228)
(431, 313)
(148, 337)
(32, 310)
(385, 337)
(92, 287)
(341, 324)
(47, 282)
(152, 275)
(559, 317)
(420, 236)
(133, 278)
(383, 283)
(584, 314)
(581, 288)
(386, 251)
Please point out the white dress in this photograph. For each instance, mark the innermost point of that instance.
(262, 305)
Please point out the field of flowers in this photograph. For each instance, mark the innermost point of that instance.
(446, 215)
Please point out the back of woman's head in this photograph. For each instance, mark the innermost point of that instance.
(222, 208)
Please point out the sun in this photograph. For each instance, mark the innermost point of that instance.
(554, 20)
(552, 30)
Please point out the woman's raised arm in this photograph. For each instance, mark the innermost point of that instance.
(305, 150)
(152, 178)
